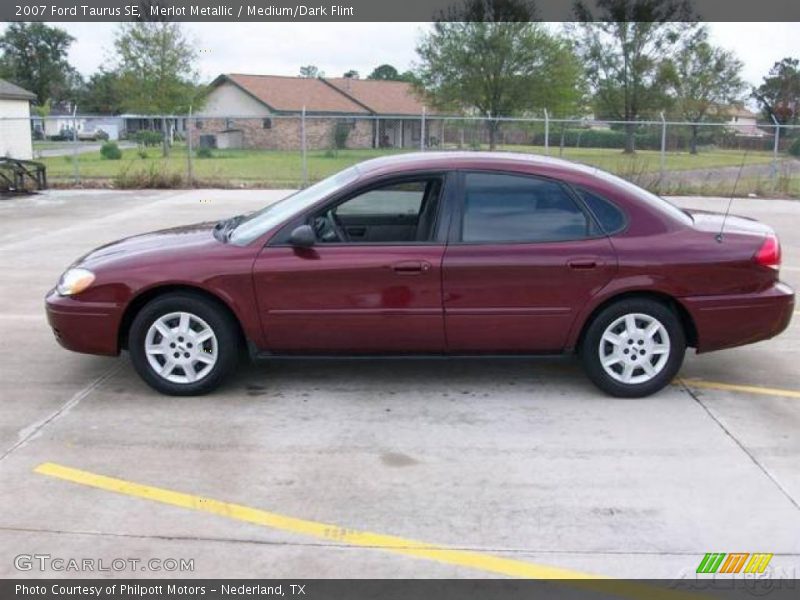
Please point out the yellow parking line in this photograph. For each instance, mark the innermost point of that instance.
(731, 387)
(334, 533)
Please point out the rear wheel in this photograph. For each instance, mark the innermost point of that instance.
(183, 344)
(633, 348)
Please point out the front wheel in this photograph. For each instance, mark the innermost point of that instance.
(633, 348)
(183, 345)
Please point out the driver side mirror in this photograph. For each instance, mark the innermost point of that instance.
(303, 237)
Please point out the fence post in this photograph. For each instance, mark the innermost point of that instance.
(775, 150)
(189, 172)
(304, 160)
(546, 132)
(422, 132)
(76, 173)
(663, 146)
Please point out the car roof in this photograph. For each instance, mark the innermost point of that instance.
(472, 160)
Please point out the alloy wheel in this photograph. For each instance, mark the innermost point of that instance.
(181, 347)
(634, 348)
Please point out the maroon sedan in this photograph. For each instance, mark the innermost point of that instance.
(432, 254)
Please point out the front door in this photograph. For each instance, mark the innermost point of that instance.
(370, 284)
(526, 259)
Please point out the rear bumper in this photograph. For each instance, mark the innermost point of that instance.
(735, 320)
(89, 327)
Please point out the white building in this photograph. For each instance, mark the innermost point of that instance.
(15, 125)
(743, 122)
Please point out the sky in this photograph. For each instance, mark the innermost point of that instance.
(281, 48)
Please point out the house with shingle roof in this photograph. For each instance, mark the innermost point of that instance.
(15, 124)
(263, 111)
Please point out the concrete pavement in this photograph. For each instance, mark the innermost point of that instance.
(521, 459)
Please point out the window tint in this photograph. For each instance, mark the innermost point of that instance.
(398, 199)
(511, 208)
(611, 218)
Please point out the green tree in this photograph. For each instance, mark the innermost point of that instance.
(156, 68)
(351, 74)
(385, 73)
(311, 72)
(703, 79)
(623, 52)
(779, 93)
(34, 56)
(102, 94)
(501, 65)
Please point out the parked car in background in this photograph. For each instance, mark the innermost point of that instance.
(431, 254)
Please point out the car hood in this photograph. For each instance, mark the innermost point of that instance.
(712, 222)
(177, 240)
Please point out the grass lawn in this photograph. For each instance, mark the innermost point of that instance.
(265, 167)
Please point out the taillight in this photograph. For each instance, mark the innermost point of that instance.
(769, 255)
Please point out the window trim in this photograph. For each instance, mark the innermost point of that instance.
(457, 219)
(440, 229)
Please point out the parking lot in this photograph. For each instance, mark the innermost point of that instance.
(393, 468)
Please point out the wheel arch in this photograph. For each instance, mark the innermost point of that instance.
(141, 300)
(685, 318)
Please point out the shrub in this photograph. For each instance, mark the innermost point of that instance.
(142, 153)
(110, 151)
(794, 149)
(341, 132)
(148, 137)
(204, 153)
(155, 176)
(101, 135)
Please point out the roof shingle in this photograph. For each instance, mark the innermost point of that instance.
(290, 94)
(14, 92)
(381, 97)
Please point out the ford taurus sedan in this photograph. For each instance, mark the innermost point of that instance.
(433, 254)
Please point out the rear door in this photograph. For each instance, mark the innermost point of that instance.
(372, 281)
(524, 257)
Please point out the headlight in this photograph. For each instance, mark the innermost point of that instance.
(74, 281)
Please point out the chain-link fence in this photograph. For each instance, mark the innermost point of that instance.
(134, 151)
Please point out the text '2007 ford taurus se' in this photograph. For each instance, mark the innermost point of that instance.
(434, 254)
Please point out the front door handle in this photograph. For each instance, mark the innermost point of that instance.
(582, 264)
(411, 267)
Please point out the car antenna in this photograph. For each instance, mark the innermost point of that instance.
(730, 200)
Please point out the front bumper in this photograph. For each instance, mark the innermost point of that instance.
(88, 327)
(735, 320)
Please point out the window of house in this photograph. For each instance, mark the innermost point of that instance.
(511, 208)
(228, 123)
(198, 124)
(266, 124)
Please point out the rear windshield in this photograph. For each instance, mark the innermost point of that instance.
(646, 197)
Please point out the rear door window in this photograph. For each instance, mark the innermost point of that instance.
(516, 209)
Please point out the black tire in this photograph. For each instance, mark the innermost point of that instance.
(590, 348)
(218, 320)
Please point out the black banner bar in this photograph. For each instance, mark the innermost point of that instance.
(363, 589)
(344, 10)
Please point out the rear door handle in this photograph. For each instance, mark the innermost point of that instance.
(411, 267)
(582, 264)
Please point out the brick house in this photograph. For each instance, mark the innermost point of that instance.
(264, 112)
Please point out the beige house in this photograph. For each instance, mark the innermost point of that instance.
(743, 122)
(263, 111)
(15, 125)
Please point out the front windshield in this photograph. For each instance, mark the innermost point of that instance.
(270, 216)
